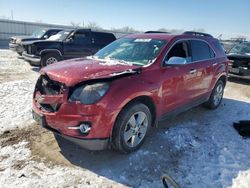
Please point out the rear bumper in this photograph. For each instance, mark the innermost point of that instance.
(16, 47)
(32, 58)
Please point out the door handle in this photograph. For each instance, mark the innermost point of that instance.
(192, 71)
(214, 64)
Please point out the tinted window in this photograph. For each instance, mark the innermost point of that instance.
(242, 48)
(201, 50)
(103, 39)
(51, 32)
(132, 50)
(181, 49)
(219, 47)
(81, 37)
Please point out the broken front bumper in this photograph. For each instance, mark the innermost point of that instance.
(86, 143)
(16, 47)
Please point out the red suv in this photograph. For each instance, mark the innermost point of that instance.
(112, 99)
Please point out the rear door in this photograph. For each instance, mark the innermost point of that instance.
(78, 44)
(201, 69)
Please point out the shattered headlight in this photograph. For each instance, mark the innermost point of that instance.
(89, 93)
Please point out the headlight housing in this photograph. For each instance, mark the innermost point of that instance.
(89, 93)
(18, 41)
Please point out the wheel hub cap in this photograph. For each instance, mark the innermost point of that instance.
(136, 129)
(218, 94)
(51, 60)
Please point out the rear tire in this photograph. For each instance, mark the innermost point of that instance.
(216, 96)
(50, 58)
(131, 128)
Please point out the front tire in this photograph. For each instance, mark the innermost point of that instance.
(216, 96)
(49, 59)
(131, 128)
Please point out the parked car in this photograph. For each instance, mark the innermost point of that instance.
(42, 34)
(71, 44)
(112, 99)
(239, 57)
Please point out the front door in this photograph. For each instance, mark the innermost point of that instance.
(174, 77)
(78, 44)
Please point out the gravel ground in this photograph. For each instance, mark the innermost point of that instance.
(198, 148)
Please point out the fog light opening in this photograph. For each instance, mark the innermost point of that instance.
(85, 128)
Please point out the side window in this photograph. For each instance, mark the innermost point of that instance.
(201, 50)
(102, 39)
(81, 37)
(180, 49)
(51, 32)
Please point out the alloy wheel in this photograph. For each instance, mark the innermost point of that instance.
(136, 129)
(218, 94)
(51, 60)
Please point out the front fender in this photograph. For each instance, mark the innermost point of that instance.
(120, 96)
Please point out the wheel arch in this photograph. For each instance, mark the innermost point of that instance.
(223, 78)
(52, 51)
(146, 100)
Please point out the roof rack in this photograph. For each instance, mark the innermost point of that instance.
(197, 33)
(156, 32)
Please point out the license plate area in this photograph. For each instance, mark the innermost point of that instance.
(40, 119)
(234, 70)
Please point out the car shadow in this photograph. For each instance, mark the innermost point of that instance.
(159, 154)
(238, 80)
(35, 69)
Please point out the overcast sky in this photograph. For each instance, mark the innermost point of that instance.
(227, 17)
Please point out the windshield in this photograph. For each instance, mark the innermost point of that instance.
(38, 33)
(132, 51)
(242, 48)
(59, 36)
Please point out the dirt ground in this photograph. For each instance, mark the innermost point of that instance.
(199, 148)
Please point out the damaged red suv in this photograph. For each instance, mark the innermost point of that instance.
(111, 99)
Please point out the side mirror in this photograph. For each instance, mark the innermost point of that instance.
(176, 61)
(70, 39)
(45, 36)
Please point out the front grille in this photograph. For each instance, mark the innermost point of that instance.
(47, 86)
(240, 62)
(29, 49)
(25, 48)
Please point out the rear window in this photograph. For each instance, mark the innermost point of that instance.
(201, 50)
(103, 39)
(219, 47)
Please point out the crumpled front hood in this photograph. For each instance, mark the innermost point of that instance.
(74, 71)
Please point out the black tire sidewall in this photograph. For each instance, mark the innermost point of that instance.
(211, 100)
(47, 56)
(119, 127)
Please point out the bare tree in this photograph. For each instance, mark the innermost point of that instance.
(94, 26)
(74, 24)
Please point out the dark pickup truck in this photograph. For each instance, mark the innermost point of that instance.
(66, 45)
(42, 34)
(239, 57)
